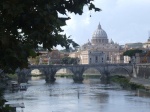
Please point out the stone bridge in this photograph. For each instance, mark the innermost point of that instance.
(50, 70)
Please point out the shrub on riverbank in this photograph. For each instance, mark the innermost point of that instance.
(84, 76)
(64, 75)
(125, 83)
(13, 76)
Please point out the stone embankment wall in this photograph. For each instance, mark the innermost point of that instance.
(143, 71)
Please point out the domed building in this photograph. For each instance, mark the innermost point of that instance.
(99, 36)
(99, 50)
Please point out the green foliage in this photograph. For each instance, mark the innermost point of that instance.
(70, 49)
(134, 86)
(13, 76)
(28, 23)
(34, 61)
(125, 83)
(69, 60)
(132, 52)
(2, 102)
(24, 24)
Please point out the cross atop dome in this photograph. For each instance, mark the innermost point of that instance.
(99, 26)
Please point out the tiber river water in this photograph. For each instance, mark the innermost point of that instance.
(66, 96)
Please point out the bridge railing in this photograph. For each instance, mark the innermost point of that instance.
(105, 64)
(143, 64)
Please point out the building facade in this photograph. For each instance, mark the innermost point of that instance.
(99, 50)
(146, 45)
(48, 57)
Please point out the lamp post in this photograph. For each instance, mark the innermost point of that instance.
(49, 59)
(111, 59)
(40, 61)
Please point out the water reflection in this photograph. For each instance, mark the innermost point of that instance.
(66, 96)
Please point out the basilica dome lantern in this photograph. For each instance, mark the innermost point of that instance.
(99, 36)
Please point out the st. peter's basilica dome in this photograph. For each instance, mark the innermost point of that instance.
(99, 36)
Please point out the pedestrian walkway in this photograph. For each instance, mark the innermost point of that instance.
(144, 82)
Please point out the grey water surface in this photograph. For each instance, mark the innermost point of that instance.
(66, 96)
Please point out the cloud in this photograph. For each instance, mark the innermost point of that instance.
(71, 24)
(86, 19)
(127, 21)
(132, 2)
(123, 20)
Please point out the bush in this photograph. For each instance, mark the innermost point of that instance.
(125, 83)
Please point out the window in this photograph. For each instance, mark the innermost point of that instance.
(90, 60)
(96, 59)
(107, 58)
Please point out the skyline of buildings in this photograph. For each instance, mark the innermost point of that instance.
(99, 49)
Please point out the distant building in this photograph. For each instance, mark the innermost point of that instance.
(138, 45)
(43, 57)
(145, 57)
(133, 46)
(48, 57)
(126, 59)
(54, 57)
(92, 57)
(138, 58)
(146, 45)
(98, 50)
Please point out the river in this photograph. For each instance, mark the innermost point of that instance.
(66, 96)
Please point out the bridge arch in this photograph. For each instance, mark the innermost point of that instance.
(122, 71)
(92, 70)
(64, 70)
(36, 71)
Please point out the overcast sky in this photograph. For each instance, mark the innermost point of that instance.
(125, 21)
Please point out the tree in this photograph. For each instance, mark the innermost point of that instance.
(2, 103)
(146, 57)
(69, 60)
(34, 61)
(28, 23)
(132, 52)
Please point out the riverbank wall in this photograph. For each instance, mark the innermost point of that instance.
(141, 81)
(145, 83)
(143, 71)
